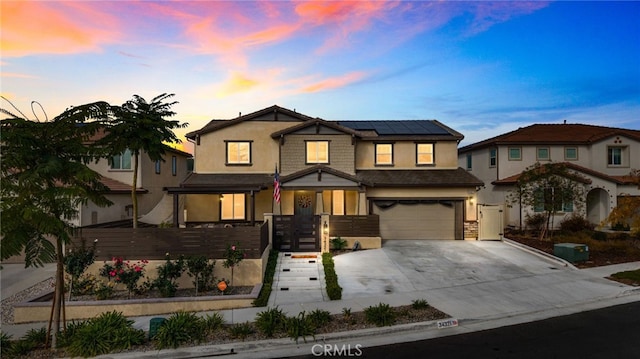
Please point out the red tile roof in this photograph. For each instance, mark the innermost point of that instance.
(554, 134)
(511, 180)
(116, 186)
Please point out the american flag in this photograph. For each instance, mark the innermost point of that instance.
(276, 186)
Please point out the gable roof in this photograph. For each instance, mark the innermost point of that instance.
(315, 122)
(512, 180)
(575, 134)
(320, 169)
(420, 129)
(217, 124)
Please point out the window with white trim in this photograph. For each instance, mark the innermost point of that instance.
(493, 157)
(571, 153)
(238, 152)
(317, 151)
(121, 161)
(542, 154)
(424, 153)
(615, 156)
(515, 153)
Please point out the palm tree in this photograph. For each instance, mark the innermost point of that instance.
(44, 180)
(141, 126)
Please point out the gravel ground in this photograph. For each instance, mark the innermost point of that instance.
(39, 289)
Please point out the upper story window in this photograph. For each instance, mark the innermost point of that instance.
(174, 165)
(384, 154)
(542, 154)
(424, 154)
(469, 161)
(158, 166)
(121, 161)
(493, 157)
(232, 206)
(571, 153)
(615, 156)
(238, 152)
(515, 153)
(317, 151)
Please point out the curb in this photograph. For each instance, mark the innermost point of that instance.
(539, 253)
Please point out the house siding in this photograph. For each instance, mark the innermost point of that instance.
(293, 152)
(404, 155)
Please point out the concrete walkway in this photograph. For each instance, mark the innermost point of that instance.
(482, 284)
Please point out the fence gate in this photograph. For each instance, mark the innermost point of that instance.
(296, 233)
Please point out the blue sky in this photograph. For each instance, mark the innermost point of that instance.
(482, 68)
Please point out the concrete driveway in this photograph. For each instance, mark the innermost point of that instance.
(470, 279)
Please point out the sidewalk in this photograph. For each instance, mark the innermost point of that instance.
(534, 289)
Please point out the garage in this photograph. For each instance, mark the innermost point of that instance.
(415, 219)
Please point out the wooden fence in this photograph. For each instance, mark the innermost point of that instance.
(354, 226)
(154, 243)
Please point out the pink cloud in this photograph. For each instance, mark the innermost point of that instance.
(487, 14)
(334, 82)
(55, 28)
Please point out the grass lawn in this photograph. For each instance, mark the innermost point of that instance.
(631, 277)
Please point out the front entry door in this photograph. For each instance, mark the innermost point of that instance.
(306, 225)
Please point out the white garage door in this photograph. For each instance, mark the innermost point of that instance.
(417, 221)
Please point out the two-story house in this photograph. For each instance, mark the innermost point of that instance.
(154, 205)
(601, 156)
(403, 173)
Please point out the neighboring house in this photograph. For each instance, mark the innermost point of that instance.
(404, 173)
(602, 157)
(153, 177)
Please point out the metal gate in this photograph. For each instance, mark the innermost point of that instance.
(296, 233)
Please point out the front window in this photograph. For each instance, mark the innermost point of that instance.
(238, 153)
(515, 154)
(121, 161)
(424, 153)
(551, 199)
(614, 156)
(338, 202)
(493, 157)
(571, 153)
(542, 154)
(384, 154)
(317, 151)
(232, 206)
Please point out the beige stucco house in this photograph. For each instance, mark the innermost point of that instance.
(401, 175)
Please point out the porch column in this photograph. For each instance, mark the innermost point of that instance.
(268, 217)
(362, 204)
(319, 203)
(325, 230)
(176, 208)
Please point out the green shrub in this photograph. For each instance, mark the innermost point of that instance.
(419, 304)
(334, 291)
(213, 322)
(599, 236)
(380, 315)
(300, 326)
(576, 223)
(5, 343)
(180, 328)
(536, 222)
(37, 337)
(76, 263)
(106, 333)
(241, 330)
(338, 243)
(201, 269)
(319, 317)
(66, 336)
(265, 292)
(270, 321)
(20, 348)
(168, 274)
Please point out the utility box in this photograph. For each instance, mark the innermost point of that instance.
(154, 324)
(571, 252)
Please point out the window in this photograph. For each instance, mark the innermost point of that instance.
(384, 154)
(545, 198)
(493, 157)
(238, 153)
(571, 153)
(232, 206)
(121, 161)
(614, 156)
(174, 165)
(317, 151)
(158, 166)
(338, 202)
(469, 161)
(542, 154)
(424, 153)
(515, 153)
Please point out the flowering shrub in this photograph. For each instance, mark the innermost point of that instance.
(232, 257)
(124, 272)
(168, 274)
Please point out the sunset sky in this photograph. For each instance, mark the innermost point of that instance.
(482, 68)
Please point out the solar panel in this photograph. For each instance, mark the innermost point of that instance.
(400, 127)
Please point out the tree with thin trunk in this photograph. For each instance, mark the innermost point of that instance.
(45, 179)
(548, 188)
(142, 126)
(627, 211)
